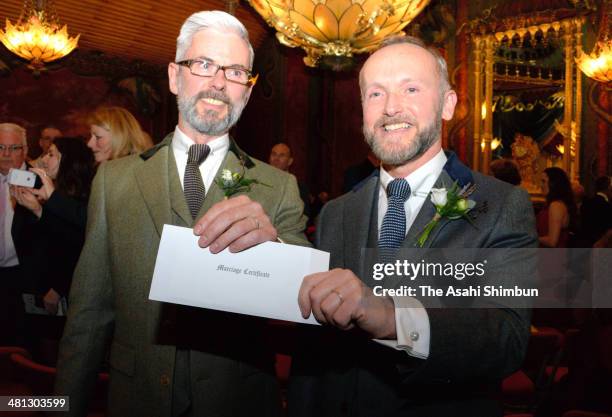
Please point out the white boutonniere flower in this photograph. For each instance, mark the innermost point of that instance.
(451, 204)
(438, 196)
(235, 182)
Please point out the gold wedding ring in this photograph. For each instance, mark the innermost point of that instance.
(257, 225)
(339, 295)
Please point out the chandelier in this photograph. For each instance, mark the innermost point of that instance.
(37, 35)
(331, 31)
(598, 64)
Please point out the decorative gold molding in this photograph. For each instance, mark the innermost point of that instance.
(569, 31)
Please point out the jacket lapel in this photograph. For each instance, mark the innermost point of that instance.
(358, 211)
(426, 215)
(177, 196)
(453, 171)
(152, 180)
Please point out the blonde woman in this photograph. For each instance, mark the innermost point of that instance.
(115, 133)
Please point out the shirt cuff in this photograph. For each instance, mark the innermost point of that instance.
(412, 328)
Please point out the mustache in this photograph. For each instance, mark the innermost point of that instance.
(216, 95)
(384, 120)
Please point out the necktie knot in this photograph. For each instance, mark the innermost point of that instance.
(399, 189)
(197, 153)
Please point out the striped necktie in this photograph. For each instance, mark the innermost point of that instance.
(193, 186)
(393, 229)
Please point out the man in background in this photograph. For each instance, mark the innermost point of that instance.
(597, 211)
(47, 135)
(13, 151)
(358, 172)
(282, 158)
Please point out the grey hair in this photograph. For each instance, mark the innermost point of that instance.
(15, 128)
(213, 19)
(441, 66)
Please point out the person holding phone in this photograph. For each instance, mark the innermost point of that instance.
(60, 205)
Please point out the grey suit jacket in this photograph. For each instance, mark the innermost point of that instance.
(344, 373)
(230, 371)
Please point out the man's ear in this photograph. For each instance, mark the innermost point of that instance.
(173, 73)
(290, 160)
(448, 107)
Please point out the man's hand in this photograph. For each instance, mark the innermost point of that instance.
(339, 298)
(239, 223)
(51, 301)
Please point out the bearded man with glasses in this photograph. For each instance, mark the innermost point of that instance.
(169, 360)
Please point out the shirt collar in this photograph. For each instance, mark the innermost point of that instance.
(181, 143)
(423, 178)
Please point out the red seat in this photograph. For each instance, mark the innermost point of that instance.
(10, 385)
(5, 360)
(40, 380)
(283, 367)
(518, 389)
(524, 390)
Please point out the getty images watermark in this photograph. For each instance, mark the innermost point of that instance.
(476, 278)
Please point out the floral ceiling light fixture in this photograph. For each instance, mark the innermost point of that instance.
(332, 31)
(598, 64)
(37, 36)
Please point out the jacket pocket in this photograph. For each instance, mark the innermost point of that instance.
(122, 359)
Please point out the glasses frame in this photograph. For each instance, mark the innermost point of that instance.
(250, 82)
(11, 148)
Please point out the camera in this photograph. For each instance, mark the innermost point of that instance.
(23, 178)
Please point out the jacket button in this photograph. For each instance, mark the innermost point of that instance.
(164, 380)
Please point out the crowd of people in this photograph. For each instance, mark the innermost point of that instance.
(568, 217)
(175, 360)
(43, 227)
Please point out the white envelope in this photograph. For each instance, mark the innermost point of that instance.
(261, 281)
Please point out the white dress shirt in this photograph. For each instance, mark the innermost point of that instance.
(411, 323)
(10, 255)
(208, 169)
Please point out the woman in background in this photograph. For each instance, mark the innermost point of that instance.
(555, 220)
(115, 133)
(61, 208)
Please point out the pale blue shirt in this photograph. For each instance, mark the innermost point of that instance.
(411, 323)
(10, 256)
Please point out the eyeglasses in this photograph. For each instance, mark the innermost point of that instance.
(10, 148)
(204, 68)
